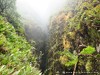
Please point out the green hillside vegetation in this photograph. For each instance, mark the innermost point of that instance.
(15, 52)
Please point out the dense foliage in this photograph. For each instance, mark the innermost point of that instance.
(74, 43)
(15, 52)
(8, 10)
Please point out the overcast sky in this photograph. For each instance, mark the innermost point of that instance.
(39, 10)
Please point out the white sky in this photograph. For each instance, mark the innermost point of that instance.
(39, 10)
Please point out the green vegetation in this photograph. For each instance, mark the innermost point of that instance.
(71, 59)
(15, 52)
(88, 50)
(75, 39)
(73, 44)
(8, 10)
(16, 57)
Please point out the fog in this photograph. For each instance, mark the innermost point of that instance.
(36, 15)
(39, 11)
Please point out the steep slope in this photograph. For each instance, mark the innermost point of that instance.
(15, 52)
(74, 44)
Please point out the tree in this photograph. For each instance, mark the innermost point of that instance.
(8, 10)
(6, 5)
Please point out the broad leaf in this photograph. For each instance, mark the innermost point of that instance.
(88, 50)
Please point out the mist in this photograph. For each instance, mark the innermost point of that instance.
(39, 12)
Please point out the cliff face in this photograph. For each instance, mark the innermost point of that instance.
(75, 31)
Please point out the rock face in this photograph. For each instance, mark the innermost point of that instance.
(73, 30)
(34, 32)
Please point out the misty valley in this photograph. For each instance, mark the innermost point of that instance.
(49, 37)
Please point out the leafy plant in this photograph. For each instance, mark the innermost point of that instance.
(68, 59)
(88, 50)
(18, 58)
